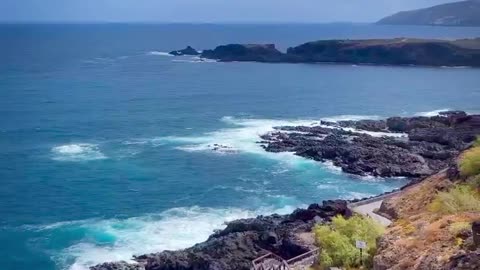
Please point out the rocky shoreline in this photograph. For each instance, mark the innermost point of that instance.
(409, 146)
(396, 147)
(398, 51)
(242, 241)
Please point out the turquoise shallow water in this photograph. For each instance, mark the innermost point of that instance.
(106, 142)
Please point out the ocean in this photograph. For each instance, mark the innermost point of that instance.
(107, 143)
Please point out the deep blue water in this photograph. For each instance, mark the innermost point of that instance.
(106, 142)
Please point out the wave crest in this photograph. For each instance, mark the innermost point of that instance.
(77, 152)
(157, 53)
(113, 239)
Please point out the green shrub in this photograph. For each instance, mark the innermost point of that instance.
(477, 142)
(474, 182)
(337, 241)
(459, 228)
(470, 162)
(461, 198)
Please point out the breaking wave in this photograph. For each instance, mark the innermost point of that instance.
(99, 241)
(157, 53)
(432, 113)
(243, 135)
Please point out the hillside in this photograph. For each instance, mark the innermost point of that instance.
(464, 13)
(432, 226)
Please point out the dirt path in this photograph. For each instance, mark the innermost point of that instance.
(367, 210)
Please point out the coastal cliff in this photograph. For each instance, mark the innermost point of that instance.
(399, 51)
(425, 238)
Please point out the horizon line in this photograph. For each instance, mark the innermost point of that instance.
(177, 22)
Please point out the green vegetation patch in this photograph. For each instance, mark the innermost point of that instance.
(461, 198)
(470, 161)
(337, 241)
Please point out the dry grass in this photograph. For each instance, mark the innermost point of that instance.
(470, 162)
(422, 238)
(461, 198)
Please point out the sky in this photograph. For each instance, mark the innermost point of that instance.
(205, 11)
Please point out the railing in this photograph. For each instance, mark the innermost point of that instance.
(305, 258)
(272, 261)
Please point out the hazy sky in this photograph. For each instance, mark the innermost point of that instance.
(205, 10)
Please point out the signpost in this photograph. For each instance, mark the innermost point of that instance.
(361, 245)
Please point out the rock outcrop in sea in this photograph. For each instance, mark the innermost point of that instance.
(245, 53)
(187, 51)
(395, 147)
(234, 247)
(398, 51)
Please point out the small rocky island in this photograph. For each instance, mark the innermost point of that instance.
(398, 51)
(187, 51)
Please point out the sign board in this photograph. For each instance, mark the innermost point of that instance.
(360, 244)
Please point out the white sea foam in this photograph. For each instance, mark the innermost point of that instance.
(357, 195)
(77, 152)
(242, 136)
(350, 117)
(195, 59)
(157, 53)
(114, 239)
(432, 113)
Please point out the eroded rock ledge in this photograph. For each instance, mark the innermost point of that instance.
(395, 147)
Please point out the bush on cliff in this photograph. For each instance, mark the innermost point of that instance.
(477, 142)
(337, 241)
(461, 198)
(470, 161)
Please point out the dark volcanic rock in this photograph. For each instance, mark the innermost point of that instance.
(244, 52)
(187, 51)
(467, 261)
(120, 266)
(399, 51)
(241, 242)
(429, 145)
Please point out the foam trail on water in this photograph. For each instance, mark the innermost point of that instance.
(195, 59)
(77, 152)
(157, 53)
(114, 239)
(349, 117)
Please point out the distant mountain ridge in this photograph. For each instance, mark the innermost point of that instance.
(464, 13)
